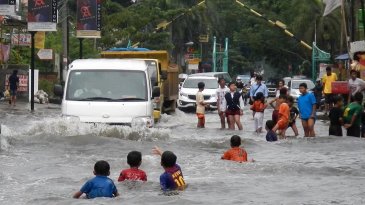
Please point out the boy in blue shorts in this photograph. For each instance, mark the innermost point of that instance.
(172, 179)
(100, 185)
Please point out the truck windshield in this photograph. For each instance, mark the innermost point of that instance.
(193, 83)
(107, 85)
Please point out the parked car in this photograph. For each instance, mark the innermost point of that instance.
(187, 94)
(294, 87)
(244, 78)
(217, 75)
(271, 87)
(182, 77)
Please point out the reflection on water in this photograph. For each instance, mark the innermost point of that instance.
(45, 159)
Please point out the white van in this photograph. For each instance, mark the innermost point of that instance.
(112, 91)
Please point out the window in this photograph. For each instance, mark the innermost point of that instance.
(107, 85)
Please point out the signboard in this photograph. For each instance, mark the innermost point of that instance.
(45, 54)
(23, 82)
(21, 39)
(42, 15)
(7, 7)
(88, 19)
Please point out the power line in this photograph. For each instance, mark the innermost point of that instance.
(277, 24)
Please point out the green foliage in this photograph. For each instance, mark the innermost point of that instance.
(46, 86)
(254, 42)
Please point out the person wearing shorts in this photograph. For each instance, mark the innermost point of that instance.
(14, 83)
(200, 106)
(327, 80)
(307, 109)
(234, 107)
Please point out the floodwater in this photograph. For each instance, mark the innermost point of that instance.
(44, 159)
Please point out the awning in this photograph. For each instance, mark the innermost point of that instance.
(343, 57)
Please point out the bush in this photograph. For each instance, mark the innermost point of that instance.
(46, 86)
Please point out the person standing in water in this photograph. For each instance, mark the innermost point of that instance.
(234, 107)
(307, 109)
(14, 84)
(221, 101)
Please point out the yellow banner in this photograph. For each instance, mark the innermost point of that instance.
(39, 39)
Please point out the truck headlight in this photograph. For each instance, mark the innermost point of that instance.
(141, 122)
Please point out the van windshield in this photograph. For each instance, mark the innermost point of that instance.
(107, 85)
(193, 83)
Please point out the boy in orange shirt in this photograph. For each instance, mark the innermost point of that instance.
(236, 153)
(284, 113)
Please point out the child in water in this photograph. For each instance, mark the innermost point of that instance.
(271, 135)
(294, 113)
(100, 185)
(236, 153)
(258, 107)
(335, 116)
(284, 113)
(172, 179)
(134, 159)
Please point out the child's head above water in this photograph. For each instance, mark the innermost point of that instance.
(102, 168)
(134, 159)
(168, 159)
(235, 141)
(270, 124)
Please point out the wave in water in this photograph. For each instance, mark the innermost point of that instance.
(56, 127)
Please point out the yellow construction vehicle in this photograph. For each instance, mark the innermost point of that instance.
(163, 74)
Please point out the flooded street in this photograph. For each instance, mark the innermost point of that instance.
(45, 159)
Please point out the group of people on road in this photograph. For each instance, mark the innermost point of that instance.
(230, 105)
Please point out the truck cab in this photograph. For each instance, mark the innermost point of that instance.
(111, 91)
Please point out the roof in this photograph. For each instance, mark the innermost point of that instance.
(128, 49)
(343, 57)
(108, 64)
(202, 77)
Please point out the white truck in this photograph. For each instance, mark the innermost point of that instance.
(111, 91)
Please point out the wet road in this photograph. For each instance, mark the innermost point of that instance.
(45, 159)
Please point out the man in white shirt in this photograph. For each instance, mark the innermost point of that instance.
(221, 101)
(355, 85)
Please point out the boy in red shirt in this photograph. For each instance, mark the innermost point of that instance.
(134, 159)
(236, 153)
(284, 113)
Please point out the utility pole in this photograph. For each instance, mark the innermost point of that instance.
(65, 38)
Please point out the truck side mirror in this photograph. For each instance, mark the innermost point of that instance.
(164, 75)
(58, 90)
(156, 92)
